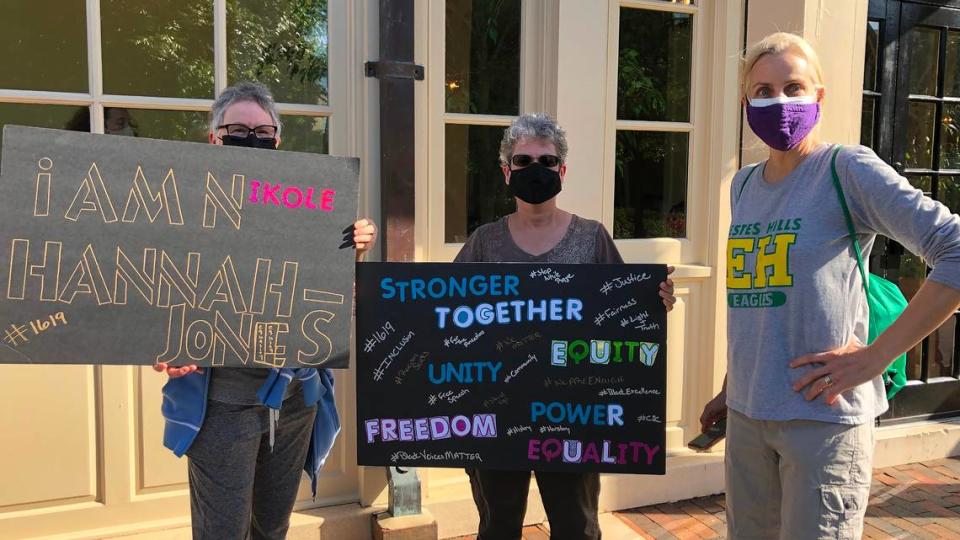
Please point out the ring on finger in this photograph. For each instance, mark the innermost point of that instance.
(828, 381)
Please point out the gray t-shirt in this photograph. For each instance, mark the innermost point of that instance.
(586, 241)
(805, 294)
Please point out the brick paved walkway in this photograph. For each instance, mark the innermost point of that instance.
(919, 500)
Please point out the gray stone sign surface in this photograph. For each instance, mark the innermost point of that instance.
(118, 250)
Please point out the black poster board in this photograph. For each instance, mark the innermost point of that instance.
(118, 250)
(511, 366)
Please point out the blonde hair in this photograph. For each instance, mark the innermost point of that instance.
(779, 43)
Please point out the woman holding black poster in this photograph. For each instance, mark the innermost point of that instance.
(533, 158)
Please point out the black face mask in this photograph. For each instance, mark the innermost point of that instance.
(535, 183)
(250, 141)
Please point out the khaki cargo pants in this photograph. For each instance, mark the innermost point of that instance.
(797, 479)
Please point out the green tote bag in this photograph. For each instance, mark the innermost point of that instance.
(885, 300)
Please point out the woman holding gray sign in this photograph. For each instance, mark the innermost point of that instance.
(533, 158)
(244, 462)
(800, 432)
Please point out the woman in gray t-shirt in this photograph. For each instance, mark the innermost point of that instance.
(532, 156)
(802, 387)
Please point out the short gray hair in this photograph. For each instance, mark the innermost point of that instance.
(243, 91)
(533, 126)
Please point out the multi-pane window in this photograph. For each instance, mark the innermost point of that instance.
(482, 96)
(654, 121)
(157, 65)
(926, 138)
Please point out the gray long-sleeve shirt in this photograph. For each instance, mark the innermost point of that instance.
(793, 286)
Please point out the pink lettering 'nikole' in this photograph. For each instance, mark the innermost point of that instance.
(291, 196)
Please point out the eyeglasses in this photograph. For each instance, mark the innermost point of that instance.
(265, 131)
(524, 160)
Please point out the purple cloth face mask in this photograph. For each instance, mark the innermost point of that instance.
(782, 122)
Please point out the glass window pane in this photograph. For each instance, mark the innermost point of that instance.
(305, 134)
(924, 50)
(871, 58)
(44, 45)
(47, 116)
(483, 56)
(942, 343)
(475, 191)
(157, 48)
(923, 183)
(189, 126)
(650, 194)
(914, 359)
(653, 72)
(912, 273)
(920, 126)
(282, 44)
(951, 76)
(950, 137)
(948, 192)
(867, 120)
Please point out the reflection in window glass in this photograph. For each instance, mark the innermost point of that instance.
(951, 68)
(923, 183)
(950, 137)
(948, 192)
(46, 116)
(155, 48)
(483, 56)
(475, 192)
(912, 273)
(650, 194)
(283, 44)
(654, 65)
(867, 121)
(189, 126)
(924, 50)
(871, 56)
(305, 134)
(920, 126)
(943, 343)
(44, 48)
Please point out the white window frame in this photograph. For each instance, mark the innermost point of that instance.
(535, 95)
(688, 249)
(337, 19)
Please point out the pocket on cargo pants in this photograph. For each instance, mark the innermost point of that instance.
(842, 508)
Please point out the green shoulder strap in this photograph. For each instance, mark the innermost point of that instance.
(747, 179)
(846, 214)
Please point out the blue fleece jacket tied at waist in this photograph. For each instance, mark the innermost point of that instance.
(185, 405)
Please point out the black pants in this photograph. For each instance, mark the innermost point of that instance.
(570, 499)
(240, 488)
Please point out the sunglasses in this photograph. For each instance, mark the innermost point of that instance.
(524, 160)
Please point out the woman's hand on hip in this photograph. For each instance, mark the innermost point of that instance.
(836, 371)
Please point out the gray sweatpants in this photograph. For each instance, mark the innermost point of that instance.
(239, 488)
(797, 479)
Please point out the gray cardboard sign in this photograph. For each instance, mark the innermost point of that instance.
(117, 250)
